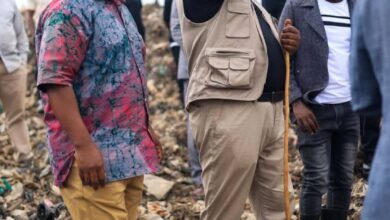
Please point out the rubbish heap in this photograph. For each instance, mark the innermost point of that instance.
(28, 193)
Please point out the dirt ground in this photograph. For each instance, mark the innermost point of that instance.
(33, 185)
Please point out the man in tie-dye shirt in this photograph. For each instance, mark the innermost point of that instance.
(92, 77)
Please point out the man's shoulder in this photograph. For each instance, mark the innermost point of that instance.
(66, 9)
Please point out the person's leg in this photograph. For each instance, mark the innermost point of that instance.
(133, 196)
(228, 135)
(315, 153)
(267, 192)
(376, 203)
(193, 158)
(344, 148)
(13, 88)
(193, 153)
(181, 85)
(175, 53)
(85, 203)
(369, 139)
(315, 150)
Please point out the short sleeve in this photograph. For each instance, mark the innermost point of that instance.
(61, 49)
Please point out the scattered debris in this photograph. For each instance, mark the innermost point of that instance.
(48, 211)
(157, 186)
(32, 186)
(151, 217)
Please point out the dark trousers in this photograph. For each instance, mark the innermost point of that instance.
(180, 82)
(329, 157)
(370, 131)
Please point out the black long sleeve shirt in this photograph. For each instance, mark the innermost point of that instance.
(199, 11)
(274, 7)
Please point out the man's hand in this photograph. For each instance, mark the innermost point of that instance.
(90, 163)
(306, 119)
(88, 157)
(157, 142)
(290, 37)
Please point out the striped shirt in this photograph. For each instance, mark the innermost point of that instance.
(336, 19)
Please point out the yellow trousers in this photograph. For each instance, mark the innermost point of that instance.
(116, 201)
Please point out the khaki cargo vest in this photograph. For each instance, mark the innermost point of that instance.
(227, 54)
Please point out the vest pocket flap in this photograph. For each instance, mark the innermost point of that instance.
(239, 63)
(230, 68)
(221, 63)
(239, 7)
(229, 52)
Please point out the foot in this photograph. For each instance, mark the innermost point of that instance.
(24, 159)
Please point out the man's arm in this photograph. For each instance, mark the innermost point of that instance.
(295, 91)
(366, 97)
(63, 47)
(63, 102)
(303, 114)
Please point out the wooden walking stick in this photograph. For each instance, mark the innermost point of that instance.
(287, 205)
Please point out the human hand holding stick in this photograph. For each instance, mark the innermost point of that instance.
(290, 37)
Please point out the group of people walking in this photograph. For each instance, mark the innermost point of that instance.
(92, 78)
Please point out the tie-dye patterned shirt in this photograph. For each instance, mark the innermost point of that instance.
(94, 47)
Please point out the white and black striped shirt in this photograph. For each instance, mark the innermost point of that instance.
(337, 23)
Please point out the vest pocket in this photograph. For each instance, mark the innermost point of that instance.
(238, 20)
(230, 68)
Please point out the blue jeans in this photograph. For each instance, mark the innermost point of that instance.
(329, 157)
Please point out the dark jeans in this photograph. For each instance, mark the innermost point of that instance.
(329, 157)
(370, 131)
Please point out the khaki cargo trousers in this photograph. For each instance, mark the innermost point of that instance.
(241, 153)
(13, 88)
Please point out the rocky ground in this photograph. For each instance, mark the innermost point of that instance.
(168, 194)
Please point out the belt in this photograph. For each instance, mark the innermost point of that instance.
(272, 97)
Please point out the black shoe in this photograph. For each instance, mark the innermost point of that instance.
(334, 214)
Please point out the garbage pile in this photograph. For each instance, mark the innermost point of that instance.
(28, 193)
